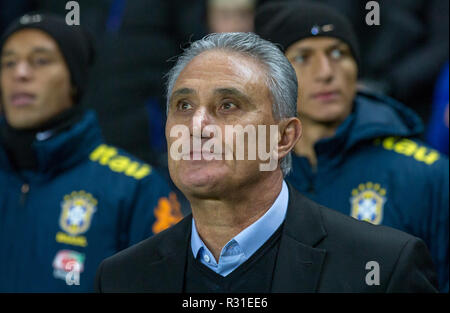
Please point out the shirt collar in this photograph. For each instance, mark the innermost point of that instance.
(255, 235)
(196, 242)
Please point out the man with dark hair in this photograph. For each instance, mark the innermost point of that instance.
(67, 199)
(249, 231)
(359, 153)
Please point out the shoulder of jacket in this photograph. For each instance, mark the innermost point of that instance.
(151, 249)
(118, 161)
(411, 150)
(347, 229)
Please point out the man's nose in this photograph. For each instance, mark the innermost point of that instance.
(323, 69)
(22, 71)
(201, 119)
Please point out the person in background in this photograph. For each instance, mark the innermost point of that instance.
(402, 55)
(135, 40)
(67, 199)
(359, 153)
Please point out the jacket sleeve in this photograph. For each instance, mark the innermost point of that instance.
(414, 271)
(154, 208)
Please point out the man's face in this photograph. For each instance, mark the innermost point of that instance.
(217, 88)
(327, 76)
(35, 80)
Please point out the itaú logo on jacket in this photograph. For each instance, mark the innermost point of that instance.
(109, 156)
(367, 202)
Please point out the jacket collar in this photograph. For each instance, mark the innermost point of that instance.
(298, 265)
(57, 153)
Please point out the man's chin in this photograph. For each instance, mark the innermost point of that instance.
(327, 114)
(23, 124)
(23, 120)
(200, 183)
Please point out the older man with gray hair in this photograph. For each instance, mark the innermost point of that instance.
(249, 231)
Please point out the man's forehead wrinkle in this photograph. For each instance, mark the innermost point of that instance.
(228, 90)
(233, 63)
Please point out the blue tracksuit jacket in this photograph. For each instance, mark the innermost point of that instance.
(86, 201)
(374, 169)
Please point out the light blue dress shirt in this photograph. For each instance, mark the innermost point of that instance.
(243, 245)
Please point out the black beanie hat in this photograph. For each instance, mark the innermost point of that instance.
(75, 44)
(287, 22)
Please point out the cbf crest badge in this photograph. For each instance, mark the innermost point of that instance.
(367, 202)
(77, 211)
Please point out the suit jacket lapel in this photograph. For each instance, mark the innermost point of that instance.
(299, 263)
(166, 275)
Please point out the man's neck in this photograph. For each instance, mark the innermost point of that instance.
(312, 133)
(219, 220)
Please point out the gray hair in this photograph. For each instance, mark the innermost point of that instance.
(281, 77)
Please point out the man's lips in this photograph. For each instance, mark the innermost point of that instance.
(22, 99)
(326, 95)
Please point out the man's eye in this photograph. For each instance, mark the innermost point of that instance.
(8, 64)
(184, 106)
(336, 54)
(299, 59)
(41, 61)
(228, 106)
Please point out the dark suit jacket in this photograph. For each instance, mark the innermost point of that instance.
(321, 250)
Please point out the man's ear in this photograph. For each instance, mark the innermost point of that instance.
(290, 131)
